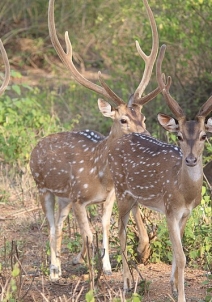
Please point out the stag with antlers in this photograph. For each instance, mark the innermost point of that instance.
(73, 166)
(161, 176)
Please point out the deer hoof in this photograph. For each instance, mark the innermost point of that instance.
(77, 260)
(107, 272)
(55, 273)
(144, 255)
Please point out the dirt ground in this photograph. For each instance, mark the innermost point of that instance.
(24, 236)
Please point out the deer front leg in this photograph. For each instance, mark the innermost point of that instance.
(48, 204)
(124, 211)
(107, 211)
(83, 223)
(143, 245)
(179, 261)
(174, 273)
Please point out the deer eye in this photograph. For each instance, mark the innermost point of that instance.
(180, 138)
(123, 121)
(203, 137)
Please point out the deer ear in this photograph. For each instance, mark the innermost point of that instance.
(208, 125)
(168, 122)
(106, 109)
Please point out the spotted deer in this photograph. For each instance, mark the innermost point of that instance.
(7, 69)
(73, 166)
(161, 176)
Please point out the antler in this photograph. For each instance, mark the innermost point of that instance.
(66, 58)
(206, 108)
(7, 68)
(173, 105)
(149, 62)
(165, 86)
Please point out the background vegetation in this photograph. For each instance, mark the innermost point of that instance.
(43, 98)
(103, 35)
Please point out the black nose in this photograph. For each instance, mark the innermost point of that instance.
(191, 161)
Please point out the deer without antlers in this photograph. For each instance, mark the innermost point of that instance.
(73, 165)
(7, 69)
(161, 176)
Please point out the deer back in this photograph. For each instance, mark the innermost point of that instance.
(63, 160)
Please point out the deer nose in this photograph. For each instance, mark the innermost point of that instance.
(191, 160)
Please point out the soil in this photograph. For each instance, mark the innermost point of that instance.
(24, 237)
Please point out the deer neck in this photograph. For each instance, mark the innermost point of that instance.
(105, 145)
(115, 134)
(102, 152)
(190, 180)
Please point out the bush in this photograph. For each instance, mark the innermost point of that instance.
(24, 120)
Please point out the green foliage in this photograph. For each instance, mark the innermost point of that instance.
(208, 151)
(10, 271)
(197, 238)
(103, 35)
(134, 298)
(24, 120)
(9, 288)
(89, 296)
(208, 297)
(161, 246)
(74, 245)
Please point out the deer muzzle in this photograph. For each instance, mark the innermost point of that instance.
(191, 160)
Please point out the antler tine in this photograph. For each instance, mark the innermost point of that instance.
(164, 86)
(149, 60)
(7, 68)
(66, 57)
(109, 91)
(145, 99)
(206, 108)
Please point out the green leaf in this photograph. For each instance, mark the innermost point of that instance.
(89, 297)
(16, 271)
(17, 89)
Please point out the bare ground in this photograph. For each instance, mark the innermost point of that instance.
(24, 235)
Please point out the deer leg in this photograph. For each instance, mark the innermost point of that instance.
(143, 246)
(48, 204)
(63, 211)
(83, 223)
(125, 207)
(174, 273)
(107, 211)
(176, 229)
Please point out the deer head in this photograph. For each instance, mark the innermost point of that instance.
(122, 113)
(191, 134)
